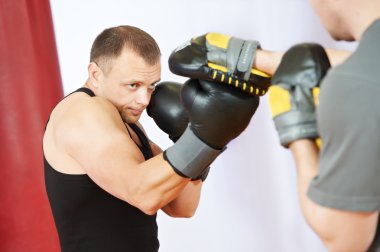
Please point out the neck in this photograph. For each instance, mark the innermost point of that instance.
(364, 19)
(89, 86)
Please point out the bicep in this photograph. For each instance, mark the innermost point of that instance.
(345, 230)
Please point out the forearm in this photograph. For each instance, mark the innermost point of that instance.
(187, 201)
(152, 184)
(305, 154)
(267, 61)
(339, 230)
(187, 198)
(337, 56)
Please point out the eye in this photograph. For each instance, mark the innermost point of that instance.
(132, 86)
(152, 86)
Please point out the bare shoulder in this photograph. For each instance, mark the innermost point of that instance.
(79, 113)
(80, 125)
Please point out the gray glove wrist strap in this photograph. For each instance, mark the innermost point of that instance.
(295, 125)
(189, 156)
(246, 50)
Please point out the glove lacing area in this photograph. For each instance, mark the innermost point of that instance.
(258, 87)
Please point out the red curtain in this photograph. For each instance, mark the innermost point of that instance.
(30, 86)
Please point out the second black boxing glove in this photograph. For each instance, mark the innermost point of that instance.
(217, 114)
(167, 111)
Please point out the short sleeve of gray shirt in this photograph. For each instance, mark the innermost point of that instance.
(349, 125)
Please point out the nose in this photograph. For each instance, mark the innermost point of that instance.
(143, 97)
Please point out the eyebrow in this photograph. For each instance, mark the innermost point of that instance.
(137, 82)
(157, 81)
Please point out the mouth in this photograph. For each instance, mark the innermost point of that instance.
(136, 112)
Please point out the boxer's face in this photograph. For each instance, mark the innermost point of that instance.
(129, 84)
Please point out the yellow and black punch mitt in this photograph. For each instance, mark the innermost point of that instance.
(223, 59)
(293, 96)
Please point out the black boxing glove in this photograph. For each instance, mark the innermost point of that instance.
(167, 111)
(222, 58)
(217, 114)
(225, 112)
(293, 96)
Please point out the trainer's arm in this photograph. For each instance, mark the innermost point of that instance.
(268, 61)
(337, 56)
(339, 230)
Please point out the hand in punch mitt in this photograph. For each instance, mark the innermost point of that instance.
(293, 96)
(221, 58)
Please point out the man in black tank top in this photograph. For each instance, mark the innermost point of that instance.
(105, 180)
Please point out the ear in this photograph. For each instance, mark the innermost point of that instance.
(94, 74)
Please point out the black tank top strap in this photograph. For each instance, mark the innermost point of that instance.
(145, 148)
(85, 90)
(128, 131)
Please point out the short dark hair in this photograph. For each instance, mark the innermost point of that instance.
(110, 43)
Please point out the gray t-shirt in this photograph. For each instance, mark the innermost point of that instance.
(349, 125)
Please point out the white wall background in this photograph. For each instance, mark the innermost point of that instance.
(249, 201)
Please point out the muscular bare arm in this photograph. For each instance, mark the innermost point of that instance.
(94, 135)
(186, 203)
